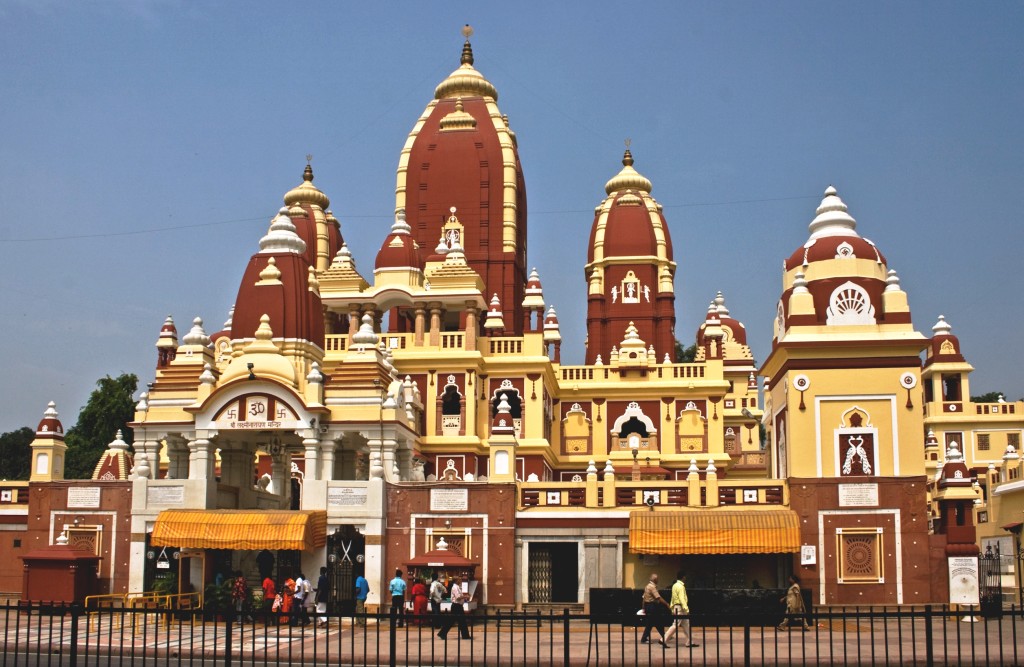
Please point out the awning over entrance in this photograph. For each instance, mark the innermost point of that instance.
(714, 531)
(298, 530)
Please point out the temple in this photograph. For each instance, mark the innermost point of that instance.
(362, 414)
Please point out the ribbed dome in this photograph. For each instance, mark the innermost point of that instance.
(627, 179)
(306, 192)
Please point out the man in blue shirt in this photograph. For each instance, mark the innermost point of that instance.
(362, 590)
(397, 588)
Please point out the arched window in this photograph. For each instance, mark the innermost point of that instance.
(451, 401)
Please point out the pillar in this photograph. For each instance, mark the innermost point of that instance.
(419, 324)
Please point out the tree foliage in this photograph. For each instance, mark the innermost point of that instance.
(16, 453)
(110, 407)
(990, 397)
(685, 355)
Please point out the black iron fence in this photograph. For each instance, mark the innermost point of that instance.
(59, 634)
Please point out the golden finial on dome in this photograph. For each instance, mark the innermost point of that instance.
(307, 173)
(467, 49)
(627, 158)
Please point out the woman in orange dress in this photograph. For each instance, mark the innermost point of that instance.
(419, 601)
(287, 599)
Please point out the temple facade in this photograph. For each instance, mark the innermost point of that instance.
(363, 418)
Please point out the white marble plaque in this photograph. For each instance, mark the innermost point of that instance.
(346, 497)
(963, 580)
(86, 497)
(165, 495)
(858, 495)
(449, 500)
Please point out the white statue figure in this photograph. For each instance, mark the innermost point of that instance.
(647, 293)
(615, 293)
(629, 290)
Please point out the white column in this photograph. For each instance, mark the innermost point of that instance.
(327, 460)
(310, 445)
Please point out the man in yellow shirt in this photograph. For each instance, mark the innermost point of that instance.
(680, 608)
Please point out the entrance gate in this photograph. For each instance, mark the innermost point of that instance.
(991, 582)
(345, 555)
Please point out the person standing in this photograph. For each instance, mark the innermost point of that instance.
(240, 595)
(419, 601)
(269, 595)
(458, 612)
(362, 590)
(397, 587)
(299, 613)
(653, 603)
(680, 608)
(436, 593)
(323, 595)
(795, 610)
(310, 601)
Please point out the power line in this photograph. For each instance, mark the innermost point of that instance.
(156, 230)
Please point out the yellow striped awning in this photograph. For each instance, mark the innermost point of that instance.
(298, 530)
(714, 531)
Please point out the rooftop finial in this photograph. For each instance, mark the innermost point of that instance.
(467, 48)
(307, 173)
(627, 158)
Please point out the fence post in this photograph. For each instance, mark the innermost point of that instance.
(76, 612)
(228, 628)
(929, 651)
(393, 638)
(565, 636)
(746, 643)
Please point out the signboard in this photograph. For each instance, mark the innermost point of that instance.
(858, 495)
(85, 497)
(449, 500)
(963, 580)
(346, 497)
(808, 554)
(165, 495)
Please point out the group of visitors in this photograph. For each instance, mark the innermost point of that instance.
(424, 597)
(295, 599)
(679, 607)
(655, 607)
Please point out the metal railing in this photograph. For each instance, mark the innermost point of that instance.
(55, 634)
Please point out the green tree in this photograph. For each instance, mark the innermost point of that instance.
(990, 397)
(16, 453)
(685, 355)
(110, 408)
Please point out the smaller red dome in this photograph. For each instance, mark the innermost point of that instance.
(834, 247)
(49, 425)
(399, 249)
(833, 236)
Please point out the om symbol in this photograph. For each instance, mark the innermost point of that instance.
(257, 409)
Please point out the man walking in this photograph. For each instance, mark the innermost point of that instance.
(436, 594)
(397, 588)
(362, 591)
(680, 609)
(458, 610)
(653, 603)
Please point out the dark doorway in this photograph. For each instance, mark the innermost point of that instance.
(345, 547)
(554, 572)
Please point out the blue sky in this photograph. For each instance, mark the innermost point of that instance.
(148, 144)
